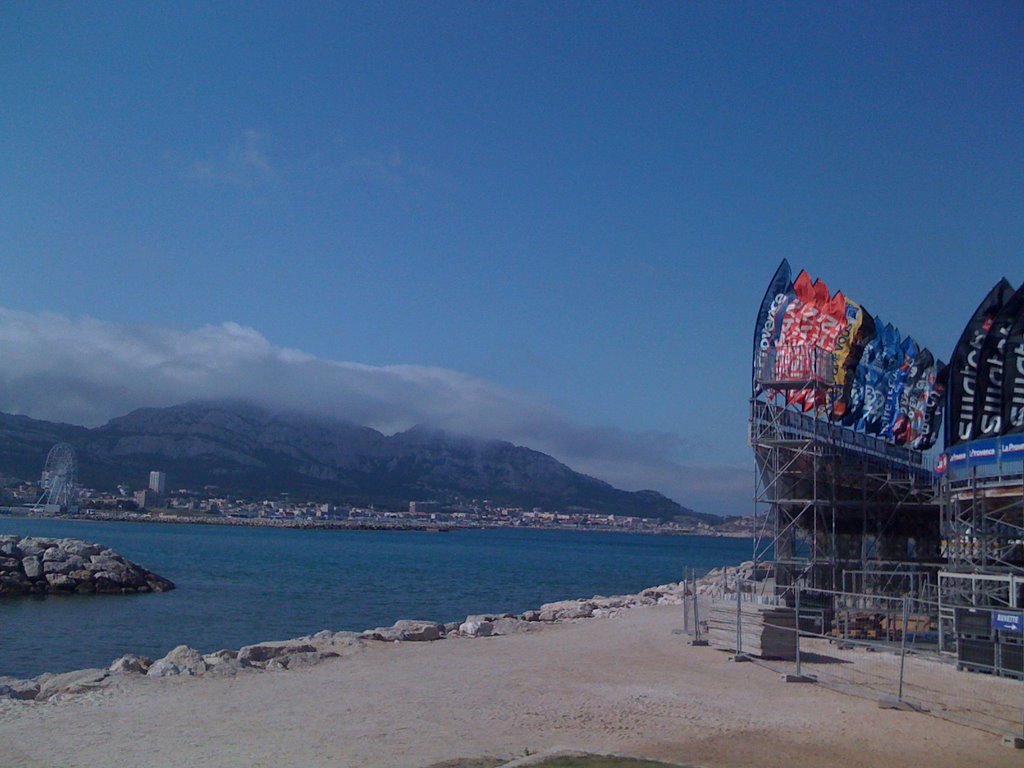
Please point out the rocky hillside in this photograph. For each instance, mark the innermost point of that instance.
(249, 451)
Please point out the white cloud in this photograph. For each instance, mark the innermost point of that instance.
(244, 164)
(85, 371)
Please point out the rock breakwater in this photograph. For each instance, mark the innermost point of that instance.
(37, 565)
(308, 650)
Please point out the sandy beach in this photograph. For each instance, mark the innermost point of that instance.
(624, 685)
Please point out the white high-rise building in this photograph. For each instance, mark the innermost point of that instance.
(158, 482)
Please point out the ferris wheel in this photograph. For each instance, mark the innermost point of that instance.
(58, 481)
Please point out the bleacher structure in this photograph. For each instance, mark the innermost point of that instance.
(834, 506)
(843, 512)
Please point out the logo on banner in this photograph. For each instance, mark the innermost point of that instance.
(942, 463)
(1012, 446)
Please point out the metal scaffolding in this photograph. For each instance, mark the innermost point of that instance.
(983, 534)
(983, 518)
(829, 500)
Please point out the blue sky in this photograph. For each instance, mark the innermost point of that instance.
(551, 223)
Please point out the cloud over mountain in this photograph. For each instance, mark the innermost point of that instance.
(85, 371)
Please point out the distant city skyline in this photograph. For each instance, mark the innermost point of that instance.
(550, 224)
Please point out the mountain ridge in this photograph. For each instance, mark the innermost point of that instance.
(247, 450)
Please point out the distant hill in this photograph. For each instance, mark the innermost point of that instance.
(249, 451)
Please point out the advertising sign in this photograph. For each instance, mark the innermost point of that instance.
(860, 328)
(830, 356)
(870, 361)
(934, 409)
(957, 457)
(877, 378)
(1011, 448)
(963, 375)
(914, 402)
(1013, 380)
(774, 300)
(895, 399)
(982, 452)
(988, 408)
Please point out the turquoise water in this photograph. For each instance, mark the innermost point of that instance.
(241, 585)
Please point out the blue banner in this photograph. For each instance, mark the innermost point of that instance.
(1012, 448)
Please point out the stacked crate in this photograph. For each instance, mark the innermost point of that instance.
(767, 631)
(858, 625)
(975, 641)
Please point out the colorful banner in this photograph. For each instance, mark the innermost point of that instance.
(833, 325)
(870, 360)
(792, 362)
(860, 327)
(934, 409)
(895, 401)
(960, 415)
(877, 378)
(827, 354)
(914, 401)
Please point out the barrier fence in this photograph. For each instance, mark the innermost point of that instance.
(879, 647)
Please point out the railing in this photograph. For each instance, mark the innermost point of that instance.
(874, 646)
(766, 419)
(795, 367)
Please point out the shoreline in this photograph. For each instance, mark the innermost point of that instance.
(319, 646)
(354, 525)
(617, 681)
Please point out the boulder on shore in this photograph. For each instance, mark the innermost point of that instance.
(180, 661)
(38, 565)
(406, 630)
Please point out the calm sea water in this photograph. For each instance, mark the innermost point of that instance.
(241, 585)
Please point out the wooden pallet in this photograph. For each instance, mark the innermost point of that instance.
(766, 631)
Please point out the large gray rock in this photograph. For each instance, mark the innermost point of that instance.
(33, 566)
(14, 688)
(130, 664)
(566, 609)
(477, 626)
(34, 545)
(261, 653)
(9, 546)
(180, 661)
(79, 681)
(223, 663)
(224, 668)
(58, 582)
(297, 660)
(83, 549)
(406, 630)
(609, 603)
(63, 565)
(512, 626)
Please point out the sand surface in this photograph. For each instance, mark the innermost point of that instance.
(624, 685)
